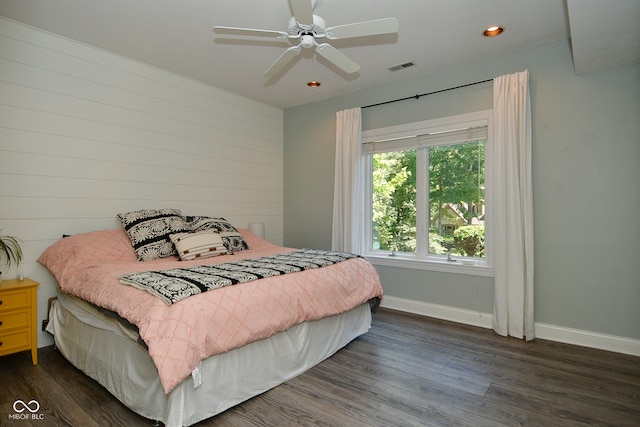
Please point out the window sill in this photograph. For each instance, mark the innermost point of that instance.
(478, 268)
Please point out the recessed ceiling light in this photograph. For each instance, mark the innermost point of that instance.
(313, 83)
(493, 31)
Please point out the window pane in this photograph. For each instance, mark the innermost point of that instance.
(394, 201)
(456, 199)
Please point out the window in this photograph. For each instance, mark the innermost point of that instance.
(425, 188)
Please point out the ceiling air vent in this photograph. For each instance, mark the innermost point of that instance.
(401, 66)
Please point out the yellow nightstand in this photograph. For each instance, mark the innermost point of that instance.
(18, 317)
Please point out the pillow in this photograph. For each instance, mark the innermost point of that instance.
(198, 244)
(231, 237)
(149, 231)
(96, 247)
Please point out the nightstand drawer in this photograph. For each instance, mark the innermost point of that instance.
(10, 342)
(19, 316)
(16, 299)
(15, 319)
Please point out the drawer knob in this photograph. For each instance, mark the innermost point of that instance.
(0, 322)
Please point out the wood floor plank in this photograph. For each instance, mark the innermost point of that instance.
(31, 383)
(361, 406)
(417, 365)
(563, 409)
(547, 377)
(407, 370)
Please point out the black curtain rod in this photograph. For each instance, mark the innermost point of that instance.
(425, 94)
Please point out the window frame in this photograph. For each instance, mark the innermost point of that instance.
(462, 265)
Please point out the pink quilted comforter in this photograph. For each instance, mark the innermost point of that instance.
(180, 335)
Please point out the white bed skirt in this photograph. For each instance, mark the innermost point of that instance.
(107, 352)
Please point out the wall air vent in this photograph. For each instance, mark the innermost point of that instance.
(401, 66)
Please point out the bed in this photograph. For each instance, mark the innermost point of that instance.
(183, 360)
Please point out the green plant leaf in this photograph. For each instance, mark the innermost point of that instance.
(10, 248)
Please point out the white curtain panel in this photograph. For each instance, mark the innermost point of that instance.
(347, 227)
(513, 295)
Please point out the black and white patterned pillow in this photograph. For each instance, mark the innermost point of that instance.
(231, 237)
(149, 231)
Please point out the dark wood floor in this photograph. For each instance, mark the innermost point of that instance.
(407, 371)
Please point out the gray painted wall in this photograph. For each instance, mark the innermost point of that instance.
(586, 154)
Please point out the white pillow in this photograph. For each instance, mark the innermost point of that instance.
(231, 237)
(198, 244)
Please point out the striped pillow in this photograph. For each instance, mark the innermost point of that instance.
(198, 244)
(231, 237)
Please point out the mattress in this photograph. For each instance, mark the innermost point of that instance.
(111, 353)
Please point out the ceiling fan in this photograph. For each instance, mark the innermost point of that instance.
(308, 29)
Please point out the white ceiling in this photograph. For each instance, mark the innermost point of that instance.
(604, 33)
(176, 35)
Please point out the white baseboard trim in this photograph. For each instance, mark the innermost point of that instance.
(543, 331)
(588, 339)
(444, 312)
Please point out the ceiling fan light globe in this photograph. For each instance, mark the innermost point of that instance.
(307, 41)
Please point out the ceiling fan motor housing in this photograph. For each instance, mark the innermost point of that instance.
(318, 29)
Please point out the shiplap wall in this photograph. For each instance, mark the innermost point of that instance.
(86, 134)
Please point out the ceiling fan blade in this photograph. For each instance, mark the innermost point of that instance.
(362, 29)
(282, 61)
(250, 32)
(303, 11)
(337, 58)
